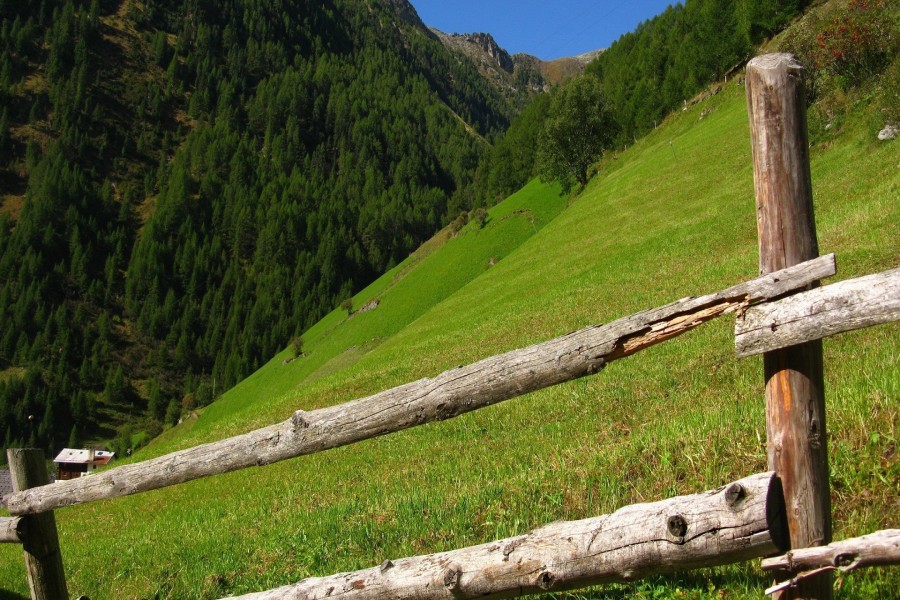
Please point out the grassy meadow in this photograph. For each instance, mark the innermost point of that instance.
(670, 217)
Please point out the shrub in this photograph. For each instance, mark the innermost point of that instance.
(480, 216)
(459, 222)
(847, 46)
(297, 346)
(858, 43)
(347, 305)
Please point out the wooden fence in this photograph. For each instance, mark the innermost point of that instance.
(782, 314)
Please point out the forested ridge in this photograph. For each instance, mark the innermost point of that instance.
(670, 58)
(187, 184)
(644, 75)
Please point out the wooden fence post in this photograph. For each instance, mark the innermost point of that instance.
(795, 401)
(43, 559)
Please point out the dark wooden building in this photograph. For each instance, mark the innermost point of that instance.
(72, 463)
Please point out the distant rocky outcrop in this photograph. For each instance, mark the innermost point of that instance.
(517, 76)
(493, 62)
(406, 12)
(489, 47)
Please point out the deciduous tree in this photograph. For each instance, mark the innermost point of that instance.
(579, 127)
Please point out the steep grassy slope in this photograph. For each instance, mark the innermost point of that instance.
(672, 216)
(436, 271)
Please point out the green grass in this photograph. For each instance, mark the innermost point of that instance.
(673, 216)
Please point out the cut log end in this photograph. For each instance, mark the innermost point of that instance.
(775, 61)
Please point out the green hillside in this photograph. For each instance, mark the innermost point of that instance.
(673, 216)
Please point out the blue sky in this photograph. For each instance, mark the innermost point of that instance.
(546, 29)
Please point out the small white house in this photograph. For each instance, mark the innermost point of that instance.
(74, 463)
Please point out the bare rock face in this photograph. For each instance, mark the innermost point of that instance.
(489, 46)
(888, 133)
(406, 12)
(516, 77)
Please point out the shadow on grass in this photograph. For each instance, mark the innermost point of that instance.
(7, 595)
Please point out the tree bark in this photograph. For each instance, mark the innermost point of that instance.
(795, 401)
(733, 523)
(43, 559)
(844, 306)
(448, 395)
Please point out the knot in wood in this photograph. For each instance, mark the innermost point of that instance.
(546, 580)
(734, 493)
(298, 420)
(451, 578)
(844, 559)
(677, 526)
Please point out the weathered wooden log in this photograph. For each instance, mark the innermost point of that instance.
(877, 549)
(795, 399)
(11, 530)
(43, 559)
(734, 523)
(447, 395)
(818, 313)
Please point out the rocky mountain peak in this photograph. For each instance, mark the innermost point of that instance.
(489, 46)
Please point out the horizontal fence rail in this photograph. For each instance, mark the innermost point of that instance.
(878, 549)
(741, 521)
(447, 395)
(836, 308)
(11, 530)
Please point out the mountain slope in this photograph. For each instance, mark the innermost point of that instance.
(672, 216)
(189, 184)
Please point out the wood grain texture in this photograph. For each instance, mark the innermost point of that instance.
(795, 400)
(11, 530)
(447, 395)
(43, 560)
(881, 548)
(844, 306)
(776, 99)
(717, 527)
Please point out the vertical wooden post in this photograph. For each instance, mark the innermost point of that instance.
(43, 559)
(795, 401)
